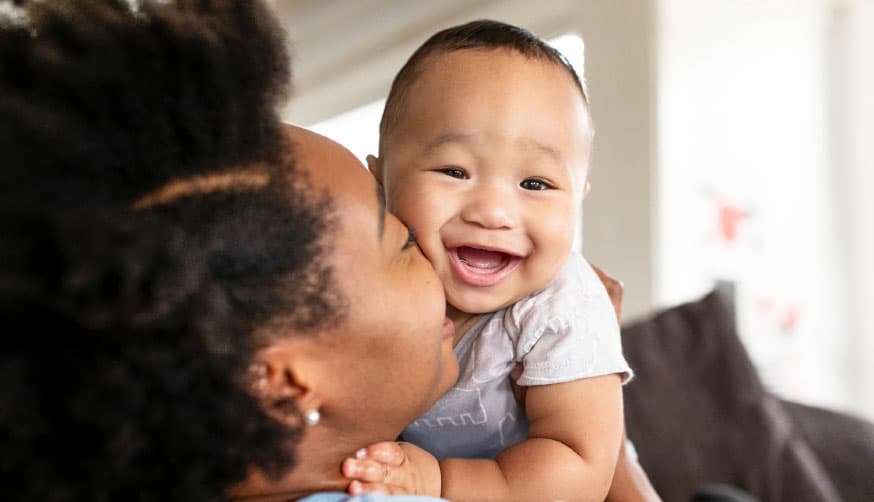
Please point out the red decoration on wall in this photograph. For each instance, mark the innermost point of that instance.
(730, 218)
(790, 318)
(782, 316)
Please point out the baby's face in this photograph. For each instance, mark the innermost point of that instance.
(487, 163)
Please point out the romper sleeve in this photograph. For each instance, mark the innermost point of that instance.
(568, 330)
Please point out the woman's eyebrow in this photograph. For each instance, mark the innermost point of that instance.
(380, 202)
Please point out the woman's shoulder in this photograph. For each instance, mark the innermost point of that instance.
(370, 497)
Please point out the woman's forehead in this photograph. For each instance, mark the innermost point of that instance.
(331, 167)
(327, 162)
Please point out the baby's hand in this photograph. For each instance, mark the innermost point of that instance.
(395, 468)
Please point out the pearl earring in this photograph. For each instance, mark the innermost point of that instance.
(312, 417)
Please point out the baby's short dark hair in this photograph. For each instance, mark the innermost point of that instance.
(482, 34)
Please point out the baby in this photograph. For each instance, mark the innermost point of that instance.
(484, 152)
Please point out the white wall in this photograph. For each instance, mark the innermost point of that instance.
(620, 212)
(763, 107)
(860, 133)
(744, 125)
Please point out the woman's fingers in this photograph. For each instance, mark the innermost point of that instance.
(615, 290)
(518, 390)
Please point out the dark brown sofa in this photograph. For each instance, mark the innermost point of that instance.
(698, 414)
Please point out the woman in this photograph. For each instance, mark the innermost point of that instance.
(389, 357)
(196, 302)
(187, 285)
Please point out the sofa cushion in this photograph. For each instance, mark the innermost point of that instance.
(698, 413)
(844, 446)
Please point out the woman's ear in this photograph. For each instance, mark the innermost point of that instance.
(374, 165)
(281, 383)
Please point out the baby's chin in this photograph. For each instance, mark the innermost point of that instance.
(479, 302)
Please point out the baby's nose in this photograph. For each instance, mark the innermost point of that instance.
(490, 208)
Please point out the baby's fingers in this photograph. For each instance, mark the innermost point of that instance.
(366, 470)
(359, 488)
(387, 452)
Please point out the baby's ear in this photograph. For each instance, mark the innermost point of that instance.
(374, 165)
(587, 188)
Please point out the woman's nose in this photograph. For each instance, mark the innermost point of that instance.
(491, 209)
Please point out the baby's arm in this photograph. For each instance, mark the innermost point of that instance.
(630, 482)
(570, 452)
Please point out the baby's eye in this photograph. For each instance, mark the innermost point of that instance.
(454, 172)
(535, 184)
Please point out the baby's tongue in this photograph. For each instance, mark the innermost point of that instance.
(481, 258)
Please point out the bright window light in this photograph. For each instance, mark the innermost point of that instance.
(357, 130)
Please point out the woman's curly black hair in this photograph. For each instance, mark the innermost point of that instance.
(127, 330)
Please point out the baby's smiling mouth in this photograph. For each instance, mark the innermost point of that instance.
(482, 259)
(482, 267)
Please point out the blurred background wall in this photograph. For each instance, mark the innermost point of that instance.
(735, 141)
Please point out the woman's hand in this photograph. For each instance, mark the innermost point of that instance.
(395, 468)
(615, 289)
(630, 482)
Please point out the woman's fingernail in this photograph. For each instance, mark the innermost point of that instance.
(361, 453)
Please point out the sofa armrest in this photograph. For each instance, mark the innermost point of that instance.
(843, 444)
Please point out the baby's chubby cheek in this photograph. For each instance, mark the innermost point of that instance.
(408, 200)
